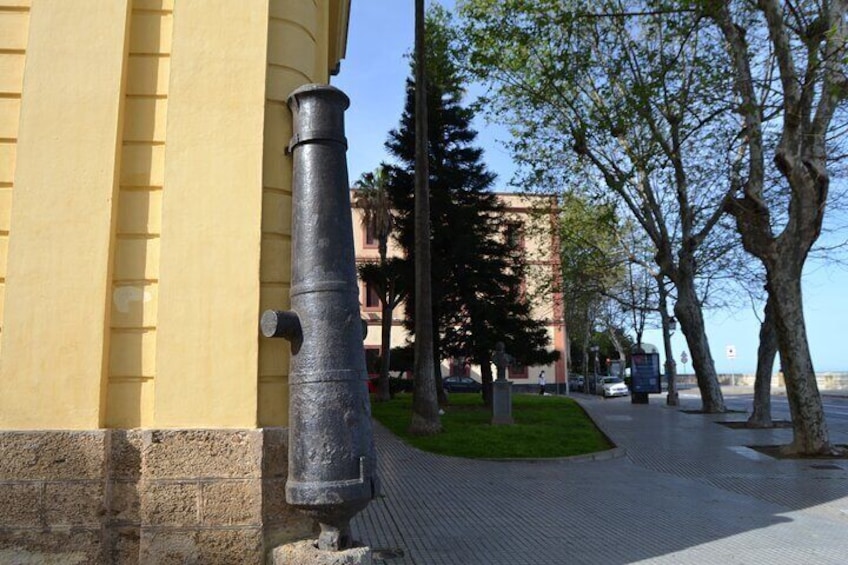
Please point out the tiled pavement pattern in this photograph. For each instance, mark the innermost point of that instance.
(682, 490)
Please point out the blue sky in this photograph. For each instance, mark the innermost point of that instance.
(373, 75)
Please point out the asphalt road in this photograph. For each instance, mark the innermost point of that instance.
(835, 407)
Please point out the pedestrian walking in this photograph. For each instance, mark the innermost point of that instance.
(542, 383)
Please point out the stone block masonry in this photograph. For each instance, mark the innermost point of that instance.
(145, 496)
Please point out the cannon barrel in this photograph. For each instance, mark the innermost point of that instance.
(331, 467)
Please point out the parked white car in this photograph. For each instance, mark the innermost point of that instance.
(611, 386)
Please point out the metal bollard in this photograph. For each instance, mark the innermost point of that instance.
(332, 473)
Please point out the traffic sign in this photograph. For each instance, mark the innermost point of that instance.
(684, 358)
(731, 351)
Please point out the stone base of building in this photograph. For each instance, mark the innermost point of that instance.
(145, 496)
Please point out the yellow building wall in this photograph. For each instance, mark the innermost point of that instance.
(209, 289)
(62, 214)
(145, 200)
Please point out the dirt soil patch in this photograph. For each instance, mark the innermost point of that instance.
(714, 413)
(744, 425)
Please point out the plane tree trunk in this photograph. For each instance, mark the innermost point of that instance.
(810, 433)
(690, 316)
(766, 352)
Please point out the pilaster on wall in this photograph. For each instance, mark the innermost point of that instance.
(135, 280)
(14, 28)
(208, 305)
(62, 213)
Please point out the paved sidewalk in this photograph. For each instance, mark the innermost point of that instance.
(682, 489)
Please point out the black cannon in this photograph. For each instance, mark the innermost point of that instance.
(331, 451)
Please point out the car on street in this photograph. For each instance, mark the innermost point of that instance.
(611, 386)
(461, 384)
(576, 383)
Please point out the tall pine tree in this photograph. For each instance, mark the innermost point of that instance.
(477, 266)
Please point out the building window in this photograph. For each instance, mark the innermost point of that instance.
(517, 372)
(372, 298)
(515, 236)
(371, 234)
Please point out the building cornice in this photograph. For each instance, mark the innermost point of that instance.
(339, 20)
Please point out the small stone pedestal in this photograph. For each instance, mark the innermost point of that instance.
(306, 553)
(502, 403)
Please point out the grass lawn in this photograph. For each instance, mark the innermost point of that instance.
(545, 426)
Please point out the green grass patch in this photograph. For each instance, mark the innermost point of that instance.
(545, 427)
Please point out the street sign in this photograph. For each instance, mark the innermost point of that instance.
(684, 358)
(731, 351)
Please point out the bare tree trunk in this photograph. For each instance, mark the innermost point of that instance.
(619, 348)
(586, 363)
(766, 351)
(425, 407)
(383, 389)
(616, 343)
(691, 320)
(486, 377)
(810, 434)
(586, 376)
(670, 366)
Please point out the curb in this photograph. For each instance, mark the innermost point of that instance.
(614, 453)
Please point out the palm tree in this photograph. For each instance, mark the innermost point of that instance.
(425, 406)
(373, 199)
